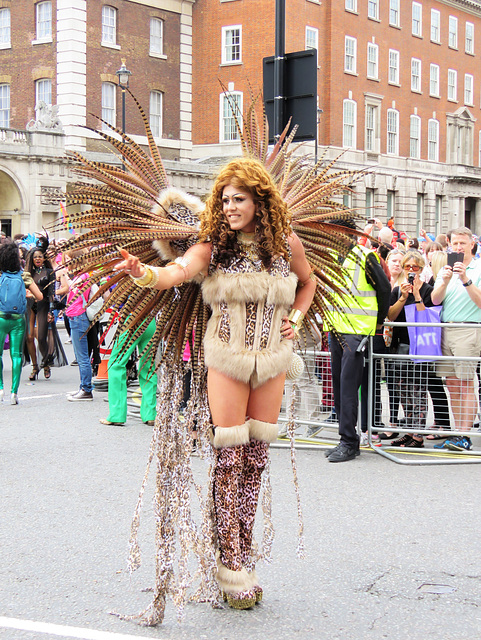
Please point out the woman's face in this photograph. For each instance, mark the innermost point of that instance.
(38, 259)
(239, 208)
(411, 266)
(394, 264)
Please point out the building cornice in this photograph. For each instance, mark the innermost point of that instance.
(470, 6)
(175, 6)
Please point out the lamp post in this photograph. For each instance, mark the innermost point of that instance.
(123, 74)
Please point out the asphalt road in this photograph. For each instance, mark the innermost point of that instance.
(391, 551)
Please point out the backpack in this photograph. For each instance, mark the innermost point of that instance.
(13, 297)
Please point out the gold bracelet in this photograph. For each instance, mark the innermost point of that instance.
(295, 318)
(146, 279)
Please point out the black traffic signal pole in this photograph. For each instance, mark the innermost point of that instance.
(279, 60)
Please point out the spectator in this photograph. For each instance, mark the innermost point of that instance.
(457, 289)
(349, 331)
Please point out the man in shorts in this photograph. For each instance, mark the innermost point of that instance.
(458, 289)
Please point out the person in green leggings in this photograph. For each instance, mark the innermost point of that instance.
(13, 324)
(118, 380)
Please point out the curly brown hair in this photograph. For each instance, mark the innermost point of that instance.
(272, 218)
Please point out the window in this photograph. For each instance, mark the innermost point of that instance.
(393, 132)
(156, 36)
(108, 104)
(155, 118)
(4, 28)
(433, 140)
(419, 212)
(452, 85)
(415, 137)
(231, 45)
(350, 48)
(312, 38)
(109, 25)
(351, 5)
(373, 9)
(468, 89)
(417, 19)
(415, 75)
(44, 20)
(393, 66)
(370, 203)
(231, 106)
(438, 213)
(349, 124)
(434, 80)
(43, 91)
(372, 60)
(453, 32)
(4, 106)
(469, 39)
(394, 13)
(370, 127)
(390, 204)
(435, 25)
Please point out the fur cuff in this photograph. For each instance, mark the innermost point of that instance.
(263, 431)
(233, 581)
(231, 436)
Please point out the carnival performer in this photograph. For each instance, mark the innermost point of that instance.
(12, 318)
(258, 286)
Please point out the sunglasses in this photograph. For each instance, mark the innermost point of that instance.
(412, 267)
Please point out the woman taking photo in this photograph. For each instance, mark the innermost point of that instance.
(11, 323)
(255, 273)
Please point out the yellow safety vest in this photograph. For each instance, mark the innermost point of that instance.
(360, 316)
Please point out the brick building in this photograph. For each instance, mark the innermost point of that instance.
(66, 53)
(399, 87)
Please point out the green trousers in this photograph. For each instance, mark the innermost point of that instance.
(12, 324)
(118, 379)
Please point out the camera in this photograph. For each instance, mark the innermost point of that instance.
(411, 277)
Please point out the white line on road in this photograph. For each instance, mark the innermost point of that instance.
(64, 631)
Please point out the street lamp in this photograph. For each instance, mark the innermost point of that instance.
(123, 75)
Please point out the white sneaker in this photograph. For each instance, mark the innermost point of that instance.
(14, 398)
(1, 395)
(364, 441)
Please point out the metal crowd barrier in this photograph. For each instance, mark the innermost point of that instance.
(315, 427)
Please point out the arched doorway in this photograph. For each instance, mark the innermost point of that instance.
(10, 205)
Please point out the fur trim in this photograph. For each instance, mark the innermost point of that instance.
(233, 581)
(231, 436)
(254, 367)
(249, 287)
(263, 431)
(166, 199)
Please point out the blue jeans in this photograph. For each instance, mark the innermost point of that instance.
(79, 326)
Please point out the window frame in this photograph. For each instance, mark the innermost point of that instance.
(469, 50)
(433, 124)
(375, 4)
(230, 47)
(372, 47)
(415, 140)
(453, 98)
(392, 134)
(353, 9)
(470, 77)
(394, 7)
(109, 29)
(415, 20)
(434, 68)
(154, 38)
(6, 29)
(105, 109)
(314, 31)
(453, 33)
(413, 75)
(5, 108)
(436, 38)
(370, 129)
(224, 101)
(353, 125)
(39, 91)
(394, 81)
(42, 33)
(348, 56)
(156, 127)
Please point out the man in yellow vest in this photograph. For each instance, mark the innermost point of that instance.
(357, 315)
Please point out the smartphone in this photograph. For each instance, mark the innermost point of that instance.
(455, 257)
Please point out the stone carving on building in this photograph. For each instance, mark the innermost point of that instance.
(51, 195)
(46, 118)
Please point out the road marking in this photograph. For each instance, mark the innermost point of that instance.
(64, 631)
(46, 395)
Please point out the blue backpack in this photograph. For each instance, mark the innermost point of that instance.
(13, 297)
